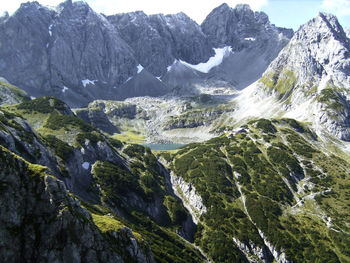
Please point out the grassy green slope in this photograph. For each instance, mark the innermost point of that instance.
(270, 178)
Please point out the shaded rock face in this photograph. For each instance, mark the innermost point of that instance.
(41, 222)
(160, 39)
(98, 119)
(143, 84)
(56, 50)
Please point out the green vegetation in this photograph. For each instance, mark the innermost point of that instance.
(42, 105)
(106, 223)
(331, 98)
(197, 117)
(9, 119)
(93, 137)
(270, 178)
(135, 151)
(264, 125)
(115, 143)
(176, 210)
(61, 149)
(57, 121)
(282, 82)
(115, 181)
(224, 170)
(130, 136)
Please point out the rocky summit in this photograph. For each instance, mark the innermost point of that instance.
(151, 138)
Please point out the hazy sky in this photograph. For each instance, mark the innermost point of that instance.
(286, 13)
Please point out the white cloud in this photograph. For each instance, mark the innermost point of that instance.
(340, 8)
(196, 9)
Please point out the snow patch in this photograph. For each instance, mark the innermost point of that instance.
(64, 89)
(169, 67)
(50, 30)
(250, 38)
(139, 69)
(87, 82)
(212, 62)
(129, 78)
(86, 165)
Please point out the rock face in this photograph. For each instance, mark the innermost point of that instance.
(313, 71)
(187, 193)
(255, 42)
(41, 222)
(70, 52)
(160, 39)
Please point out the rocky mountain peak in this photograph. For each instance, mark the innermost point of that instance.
(314, 69)
(29, 5)
(239, 27)
(328, 25)
(319, 48)
(4, 16)
(77, 9)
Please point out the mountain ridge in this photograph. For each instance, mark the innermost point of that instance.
(75, 54)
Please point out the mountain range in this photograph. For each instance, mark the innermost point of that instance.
(258, 114)
(75, 54)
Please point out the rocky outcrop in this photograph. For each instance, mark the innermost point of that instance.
(187, 193)
(116, 109)
(10, 94)
(17, 136)
(279, 255)
(251, 251)
(97, 118)
(193, 119)
(41, 222)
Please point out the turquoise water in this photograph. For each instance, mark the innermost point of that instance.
(163, 147)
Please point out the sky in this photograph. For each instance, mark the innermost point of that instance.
(283, 13)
